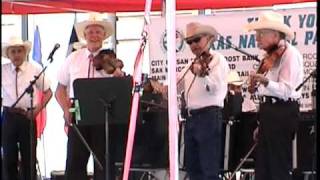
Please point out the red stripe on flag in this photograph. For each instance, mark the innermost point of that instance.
(41, 118)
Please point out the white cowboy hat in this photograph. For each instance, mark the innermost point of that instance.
(94, 19)
(15, 41)
(195, 28)
(233, 78)
(271, 20)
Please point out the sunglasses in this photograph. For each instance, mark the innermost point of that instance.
(194, 40)
(262, 33)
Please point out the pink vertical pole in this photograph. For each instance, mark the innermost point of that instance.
(133, 115)
(136, 94)
(172, 89)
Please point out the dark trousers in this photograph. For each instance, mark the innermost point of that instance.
(78, 155)
(16, 129)
(203, 144)
(278, 123)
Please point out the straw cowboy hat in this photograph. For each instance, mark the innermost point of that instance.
(233, 78)
(271, 20)
(195, 28)
(94, 19)
(15, 41)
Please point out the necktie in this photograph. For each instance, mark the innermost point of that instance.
(90, 64)
(17, 71)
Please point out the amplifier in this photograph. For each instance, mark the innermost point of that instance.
(306, 141)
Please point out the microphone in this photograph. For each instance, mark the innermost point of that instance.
(56, 46)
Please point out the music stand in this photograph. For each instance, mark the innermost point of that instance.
(103, 101)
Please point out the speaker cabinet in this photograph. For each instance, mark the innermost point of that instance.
(306, 142)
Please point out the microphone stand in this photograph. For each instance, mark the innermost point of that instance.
(76, 110)
(30, 91)
(238, 49)
(313, 73)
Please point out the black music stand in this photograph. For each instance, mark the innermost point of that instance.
(103, 101)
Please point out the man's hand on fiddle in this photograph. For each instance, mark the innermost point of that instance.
(196, 68)
(118, 73)
(259, 78)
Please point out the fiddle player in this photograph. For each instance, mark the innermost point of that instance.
(79, 64)
(205, 87)
(279, 107)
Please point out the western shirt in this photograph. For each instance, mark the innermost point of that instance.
(26, 73)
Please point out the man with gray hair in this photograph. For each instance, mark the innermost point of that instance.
(17, 122)
(280, 73)
(79, 64)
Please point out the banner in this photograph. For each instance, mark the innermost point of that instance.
(231, 27)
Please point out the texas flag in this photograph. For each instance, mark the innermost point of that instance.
(41, 118)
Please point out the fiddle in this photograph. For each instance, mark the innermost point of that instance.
(272, 57)
(111, 64)
(106, 60)
(203, 60)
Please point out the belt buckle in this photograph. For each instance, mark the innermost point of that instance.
(273, 100)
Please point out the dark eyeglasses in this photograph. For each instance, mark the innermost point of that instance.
(194, 40)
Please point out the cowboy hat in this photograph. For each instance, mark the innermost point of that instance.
(233, 78)
(195, 28)
(271, 20)
(94, 19)
(15, 41)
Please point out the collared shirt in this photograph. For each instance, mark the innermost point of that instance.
(209, 90)
(26, 73)
(76, 66)
(286, 76)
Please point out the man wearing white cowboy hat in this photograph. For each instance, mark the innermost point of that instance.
(233, 79)
(16, 121)
(279, 107)
(234, 99)
(79, 64)
(205, 87)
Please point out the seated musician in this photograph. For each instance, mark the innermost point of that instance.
(233, 101)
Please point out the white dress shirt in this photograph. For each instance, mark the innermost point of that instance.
(285, 76)
(26, 73)
(76, 66)
(209, 90)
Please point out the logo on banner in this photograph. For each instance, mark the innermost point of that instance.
(179, 41)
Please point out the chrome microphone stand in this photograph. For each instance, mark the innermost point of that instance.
(243, 161)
